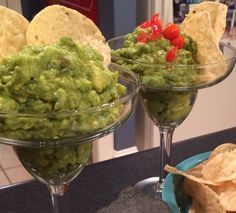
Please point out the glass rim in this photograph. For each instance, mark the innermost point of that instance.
(75, 112)
(171, 65)
(195, 85)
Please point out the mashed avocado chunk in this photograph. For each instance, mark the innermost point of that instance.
(56, 78)
(137, 55)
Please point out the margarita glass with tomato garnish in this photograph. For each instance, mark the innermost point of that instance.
(170, 76)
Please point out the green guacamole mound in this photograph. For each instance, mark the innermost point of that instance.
(134, 55)
(55, 165)
(56, 78)
(168, 108)
(165, 107)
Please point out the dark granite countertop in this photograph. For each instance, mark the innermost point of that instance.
(101, 183)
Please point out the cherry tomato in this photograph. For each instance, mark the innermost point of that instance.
(156, 29)
(145, 25)
(155, 16)
(156, 32)
(160, 22)
(142, 37)
(171, 54)
(171, 31)
(155, 21)
(178, 42)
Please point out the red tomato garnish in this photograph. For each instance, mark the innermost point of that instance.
(154, 36)
(171, 31)
(145, 25)
(155, 16)
(178, 42)
(171, 54)
(156, 32)
(142, 37)
(156, 29)
(155, 21)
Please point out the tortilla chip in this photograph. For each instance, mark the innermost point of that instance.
(194, 174)
(217, 13)
(196, 207)
(54, 22)
(206, 199)
(227, 194)
(13, 28)
(212, 181)
(221, 168)
(222, 148)
(200, 30)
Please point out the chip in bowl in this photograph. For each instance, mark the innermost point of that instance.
(205, 199)
(56, 21)
(205, 24)
(217, 14)
(200, 30)
(227, 194)
(211, 183)
(13, 27)
(221, 168)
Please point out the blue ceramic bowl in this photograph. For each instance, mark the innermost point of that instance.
(172, 193)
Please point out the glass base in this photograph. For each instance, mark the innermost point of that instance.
(151, 186)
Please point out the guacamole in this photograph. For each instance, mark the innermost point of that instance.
(149, 61)
(154, 53)
(55, 165)
(45, 93)
(52, 81)
(168, 108)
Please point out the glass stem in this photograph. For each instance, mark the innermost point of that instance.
(59, 197)
(166, 135)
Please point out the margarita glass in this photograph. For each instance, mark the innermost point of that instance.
(56, 158)
(169, 105)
